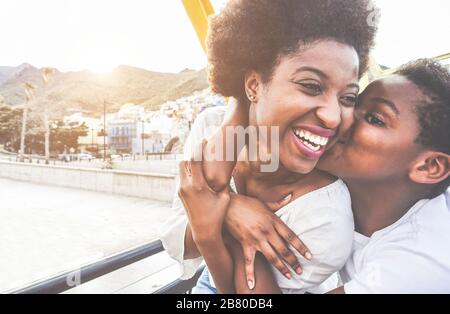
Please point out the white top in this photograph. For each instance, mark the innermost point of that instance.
(323, 219)
(410, 256)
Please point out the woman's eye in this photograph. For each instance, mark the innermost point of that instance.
(312, 88)
(374, 120)
(349, 101)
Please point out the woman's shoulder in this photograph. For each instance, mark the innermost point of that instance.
(332, 195)
(324, 214)
(323, 219)
(212, 116)
(330, 186)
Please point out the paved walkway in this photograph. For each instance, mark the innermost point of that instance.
(45, 230)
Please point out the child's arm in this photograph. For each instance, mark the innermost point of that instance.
(265, 280)
(206, 211)
(220, 264)
(216, 168)
(226, 266)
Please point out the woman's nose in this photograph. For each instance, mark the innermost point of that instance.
(330, 115)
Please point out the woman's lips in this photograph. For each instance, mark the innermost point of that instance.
(311, 140)
(317, 130)
(305, 150)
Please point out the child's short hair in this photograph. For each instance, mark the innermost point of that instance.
(433, 110)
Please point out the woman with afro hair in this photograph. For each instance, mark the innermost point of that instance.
(291, 67)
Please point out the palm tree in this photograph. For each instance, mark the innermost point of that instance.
(29, 93)
(46, 75)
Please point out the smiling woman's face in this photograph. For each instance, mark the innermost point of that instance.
(382, 142)
(310, 97)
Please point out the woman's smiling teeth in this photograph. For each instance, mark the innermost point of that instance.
(310, 140)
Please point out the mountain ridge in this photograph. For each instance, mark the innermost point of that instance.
(85, 90)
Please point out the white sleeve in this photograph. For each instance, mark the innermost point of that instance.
(172, 234)
(400, 270)
(172, 237)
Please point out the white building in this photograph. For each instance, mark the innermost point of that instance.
(152, 133)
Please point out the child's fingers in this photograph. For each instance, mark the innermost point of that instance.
(274, 206)
(198, 178)
(249, 257)
(290, 237)
(184, 172)
(283, 250)
(198, 153)
(273, 258)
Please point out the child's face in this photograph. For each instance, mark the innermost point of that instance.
(381, 144)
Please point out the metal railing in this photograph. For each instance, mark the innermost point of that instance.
(62, 282)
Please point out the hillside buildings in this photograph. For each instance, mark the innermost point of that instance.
(133, 130)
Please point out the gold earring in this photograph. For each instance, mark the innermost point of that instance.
(252, 97)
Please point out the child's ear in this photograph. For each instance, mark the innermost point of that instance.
(253, 86)
(430, 168)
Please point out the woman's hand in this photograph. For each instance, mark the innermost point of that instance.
(259, 229)
(205, 208)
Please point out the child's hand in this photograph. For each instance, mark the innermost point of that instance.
(206, 211)
(205, 208)
(237, 114)
(258, 229)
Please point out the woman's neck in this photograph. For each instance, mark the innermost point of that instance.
(377, 205)
(280, 176)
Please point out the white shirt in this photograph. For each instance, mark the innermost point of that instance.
(323, 219)
(410, 256)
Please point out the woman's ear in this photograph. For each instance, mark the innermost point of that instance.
(430, 168)
(252, 86)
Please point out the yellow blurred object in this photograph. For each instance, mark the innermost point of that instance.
(198, 12)
(375, 71)
(442, 57)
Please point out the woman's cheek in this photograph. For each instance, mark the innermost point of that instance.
(347, 119)
(266, 114)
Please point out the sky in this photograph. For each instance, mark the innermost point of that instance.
(99, 35)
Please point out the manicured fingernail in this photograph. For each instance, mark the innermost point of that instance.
(308, 256)
(288, 276)
(251, 284)
(298, 270)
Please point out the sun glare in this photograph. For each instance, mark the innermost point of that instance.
(100, 61)
(100, 68)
